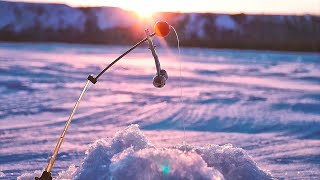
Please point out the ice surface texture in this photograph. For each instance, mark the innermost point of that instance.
(131, 156)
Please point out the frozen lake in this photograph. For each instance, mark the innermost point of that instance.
(267, 103)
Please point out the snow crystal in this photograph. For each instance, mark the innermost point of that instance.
(130, 155)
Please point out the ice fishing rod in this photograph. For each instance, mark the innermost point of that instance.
(161, 29)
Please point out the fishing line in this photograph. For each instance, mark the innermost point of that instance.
(180, 84)
(177, 41)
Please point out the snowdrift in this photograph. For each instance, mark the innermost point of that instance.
(131, 156)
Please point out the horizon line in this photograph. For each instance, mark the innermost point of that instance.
(164, 11)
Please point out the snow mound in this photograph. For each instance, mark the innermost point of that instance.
(130, 155)
(154, 163)
(99, 156)
(232, 162)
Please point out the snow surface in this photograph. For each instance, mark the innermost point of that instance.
(264, 102)
(2, 175)
(131, 156)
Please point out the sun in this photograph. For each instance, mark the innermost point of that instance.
(144, 12)
(144, 8)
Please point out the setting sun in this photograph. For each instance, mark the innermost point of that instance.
(145, 9)
(144, 13)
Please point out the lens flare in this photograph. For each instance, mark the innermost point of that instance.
(166, 169)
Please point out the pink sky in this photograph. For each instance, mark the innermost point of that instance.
(218, 6)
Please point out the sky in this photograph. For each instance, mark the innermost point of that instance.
(215, 6)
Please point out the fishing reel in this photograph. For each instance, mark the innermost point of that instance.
(160, 80)
(161, 29)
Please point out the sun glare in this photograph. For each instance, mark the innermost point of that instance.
(144, 13)
(145, 9)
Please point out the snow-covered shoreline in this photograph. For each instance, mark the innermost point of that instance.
(21, 21)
